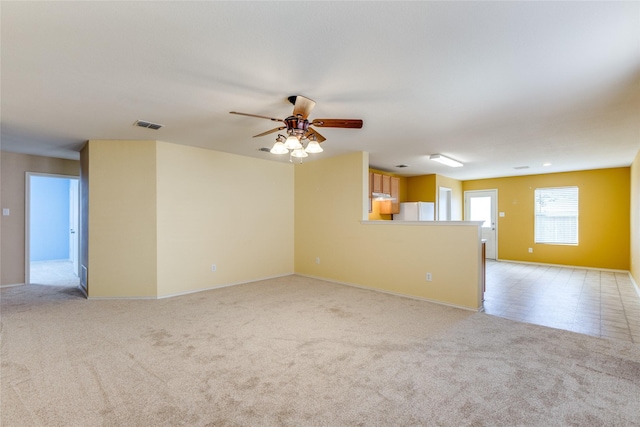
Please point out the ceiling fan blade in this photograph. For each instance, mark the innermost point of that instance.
(338, 123)
(270, 131)
(303, 106)
(256, 115)
(319, 137)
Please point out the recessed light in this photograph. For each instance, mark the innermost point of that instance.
(546, 164)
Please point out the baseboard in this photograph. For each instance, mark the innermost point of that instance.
(226, 285)
(12, 285)
(397, 294)
(635, 285)
(582, 267)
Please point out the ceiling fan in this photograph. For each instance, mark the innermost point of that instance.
(298, 128)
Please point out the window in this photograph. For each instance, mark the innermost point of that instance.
(556, 215)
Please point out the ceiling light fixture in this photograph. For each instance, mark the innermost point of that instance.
(294, 145)
(445, 160)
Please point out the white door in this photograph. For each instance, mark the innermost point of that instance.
(482, 206)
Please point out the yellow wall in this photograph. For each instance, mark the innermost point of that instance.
(13, 179)
(384, 255)
(122, 219)
(161, 214)
(457, 195)
(425, 188)
(635, 220)
(217, 208)
(421, 188)
(604, 231)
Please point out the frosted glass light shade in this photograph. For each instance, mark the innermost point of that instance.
(279, 148)
(292, 143)
(313, 147)
(299, 152)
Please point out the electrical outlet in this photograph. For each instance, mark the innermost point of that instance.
(530, 250)
(428, 277)
(317, 260)
(213, 267)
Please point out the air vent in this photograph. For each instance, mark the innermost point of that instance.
(402, 166)
(265, 149)
(148, 125)
(521, 167)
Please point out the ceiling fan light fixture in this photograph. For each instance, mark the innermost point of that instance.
(445, 160)
(299, 152)
(292, 143)
(302, 139)
(313, 147)
(279, 148)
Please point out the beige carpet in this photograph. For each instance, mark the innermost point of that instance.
(299, 352)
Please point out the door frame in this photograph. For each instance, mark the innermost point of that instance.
(27, 219)
(447, 201)
(494, 198)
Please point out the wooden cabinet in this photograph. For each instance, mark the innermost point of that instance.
(385, 184)
(370, 191)
(395, 195)
(377, 182)
(391, 206)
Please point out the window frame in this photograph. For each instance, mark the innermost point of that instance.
(566, 214)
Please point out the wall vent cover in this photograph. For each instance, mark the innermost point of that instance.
(148, 125)
(265, 149)
(521, 167)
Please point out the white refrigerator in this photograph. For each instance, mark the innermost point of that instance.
(416, 211)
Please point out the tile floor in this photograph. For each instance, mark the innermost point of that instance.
(593, 302)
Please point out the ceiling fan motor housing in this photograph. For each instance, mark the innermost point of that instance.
(296, 124)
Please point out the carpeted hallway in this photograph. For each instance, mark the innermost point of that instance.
(300, 352)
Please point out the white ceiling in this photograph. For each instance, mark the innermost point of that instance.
(496, 85)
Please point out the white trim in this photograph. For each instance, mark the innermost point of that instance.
(562, 266)
(27, 217)
(120, 298)
(391, 293)
(223, 286)
(427, 223)
(11, 285)
(635, 285)
(192, 291)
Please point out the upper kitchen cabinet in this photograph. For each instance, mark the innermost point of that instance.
(392, 206)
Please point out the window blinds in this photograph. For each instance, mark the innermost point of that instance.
(556, 215)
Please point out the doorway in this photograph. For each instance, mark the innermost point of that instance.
(51, 232)
(444, 204)
(482, 206)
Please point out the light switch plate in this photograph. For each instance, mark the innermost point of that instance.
(5, 212)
